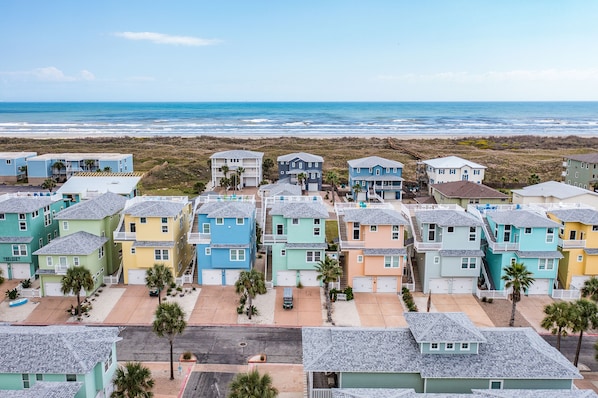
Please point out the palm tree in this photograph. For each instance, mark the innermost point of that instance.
(170, 321)
(557, 320)
(133, 381)
(267, 166)
(76, 278)
(250, 283)
(49, 184)
(590, 289)
(332, 179)
(225, 171)
(1, 276)
(357, 189)
(58, 165)
(252, 385)
(584, 317)
(328, 271)
(519, 278)
(240, 171)
(89, 164)
(301, 178)
(158, 277)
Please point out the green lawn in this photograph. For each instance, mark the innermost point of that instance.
(331, 230)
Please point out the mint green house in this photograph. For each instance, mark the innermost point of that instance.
(44, 358)
(295, 230)
(26, 224)
(85, 240)
(442, 353)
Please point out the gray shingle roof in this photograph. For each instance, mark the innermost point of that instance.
(372, 161)
(585, 157)
(300, 210)
(79, 243)
(46, 389)
(384, 252)
(153, 243)
(282, 188)
(410, 393)
(508, 353)
(228, 209)
(559, 190)
(25, 204)
(306, 157)
(447, 218)
(521, 219)
(373, 216)
(443, 327)
(584, 216)
(467, 189)
(155, 208)
(97, 208)
(54, 349)
(591, 252)
(237, 154)
(15, 239)
(461, 253)
(539, 254)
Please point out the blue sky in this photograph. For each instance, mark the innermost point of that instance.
(306, 50)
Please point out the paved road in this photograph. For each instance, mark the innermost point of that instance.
(213, 344)
(569, 345)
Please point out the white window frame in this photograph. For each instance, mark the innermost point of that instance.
(237, 254)
(473, 231)
(360, 258)
(469, 262)
(65, 225)
(549, 235)
(21, 250)
(464, 346)
(580, 258)
(205, 228)
(22, 225)
(240, 221)
(49, 261)
(545, 264)
(394, 234)
(525, 230)
(500, 382)
(161, 254)
(76, 262)
(313, 256)
(219, 221)
(165, 229)
(317, 231)
(142, 220)
(208, 251)
(434, 347)
(449, 346)
(373, 228)
(283, 252)
(450, 229)
(295, 221)
(101, 252)
(392, 262)
(436, 259)
(133, 250)
(2, 216)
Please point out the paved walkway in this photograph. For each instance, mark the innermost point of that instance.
(454, 303)
(307, 308)
(135, 307)
(380, 310)
(532, 309)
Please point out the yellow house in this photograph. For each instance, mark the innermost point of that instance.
(578, 241)
(153, 230)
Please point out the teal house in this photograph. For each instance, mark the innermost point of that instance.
(295, 230)
(26, 224)
(48, 358)
(515, 234)
(442, 353)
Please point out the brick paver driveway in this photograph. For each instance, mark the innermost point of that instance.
(51, 311)
(135, 307)
(380, 310)
(307, 308)
(215, 305)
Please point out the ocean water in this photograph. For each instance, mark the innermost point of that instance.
(309, 119)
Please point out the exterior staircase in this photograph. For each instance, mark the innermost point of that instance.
(416, 278)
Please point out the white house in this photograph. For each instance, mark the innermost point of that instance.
(554, 192)
(453, 168)
(249, 161)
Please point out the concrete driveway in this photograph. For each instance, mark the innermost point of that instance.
(454, 303)
(51, 311)
(215, 305)
(135, 307)
(380, 310)
(307, 308)
(532, 309)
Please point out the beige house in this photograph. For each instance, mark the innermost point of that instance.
(463, 193)
(554, 192)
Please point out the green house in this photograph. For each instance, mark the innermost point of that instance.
(43, 358)
(440, 353)
(26, 224)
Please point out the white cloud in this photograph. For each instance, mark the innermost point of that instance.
(47, 74)
(160, 38)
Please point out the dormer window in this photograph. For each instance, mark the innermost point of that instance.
(450, 346)
(434, 347)
(464, 346)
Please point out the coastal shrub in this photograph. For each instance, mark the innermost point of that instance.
(254, 310)
(179, 289)
(26, 283)
(187, 355)
(240, 309)
(172, 285)
(408, 300)
(12, 293)
(349, 293)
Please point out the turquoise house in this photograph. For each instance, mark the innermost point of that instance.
(515, 234)
(224, 236)
(54, 355)
(442, 353)
(26, 224)
(295, 231)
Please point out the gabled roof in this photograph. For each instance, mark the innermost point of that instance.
(559, 190)
(452, 162)
(447, 218)
(227, 209)
(54, 349)
(373, 216)
(467, 189)
(46, 389)
(306, 157)
(120, 184)
(437, 327)
(24, 204)
(97, 208)
(373, 161)
(80, 243)
(584, 157)
(282, 188)
(237, 154)
(155, 208)
(583, 216)
(506, 393)
(521, 218)
(299, 210)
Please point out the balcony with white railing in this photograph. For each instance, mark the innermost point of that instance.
(274, 238)
(140, 199)
(340, 207)
(197, 238)
(503, 246)
(352, 244)
(122, 234)
(572, 243)
(60, 269)
(424, 246)
(565, 164)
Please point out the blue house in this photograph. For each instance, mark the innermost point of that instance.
(518, 235)
(301, 164)
(223, 233)
(13, 165)
(45, 358)
(375, 177)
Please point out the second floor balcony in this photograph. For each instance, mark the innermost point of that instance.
(572, 244)
(198, 238)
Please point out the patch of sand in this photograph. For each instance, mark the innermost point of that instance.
(102, 304)
(16, 314)
(344, 313)
(265, 304)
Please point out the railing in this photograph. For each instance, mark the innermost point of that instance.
(321, 393)
(570, 243)
(352, 244)
(225, 198)
(185, 278)
(274, 238)
(503, 247)
(125, 236)
(28, 292)
(60, 270)
(571, 294)
(427, 245)
(493, 294)
(411, 208)
(339, 207)
(269, 285)
(410, 286)
(113, 279)
(196, 237)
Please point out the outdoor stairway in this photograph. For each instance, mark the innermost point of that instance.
(487, 268)
(342, 227)
(416, 279)
(268, 226)
(416, 231)
(489, 234)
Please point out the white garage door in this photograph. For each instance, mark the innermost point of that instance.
(52, 289)
(540, 286)
(439, 285)
(577, 282)
(362, 284)
(309, 278)
(136, 277)
(462, 285)
(312, 187)
(386, 284)
(21, 271)
(211, 277)
(231, 276)
(286, 278)
(251, 181)
(4, 268)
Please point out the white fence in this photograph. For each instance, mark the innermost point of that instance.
(493, 294)
(186, 278)
(113, 279)
(28, 292)
(321, 393)
(572, 294)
